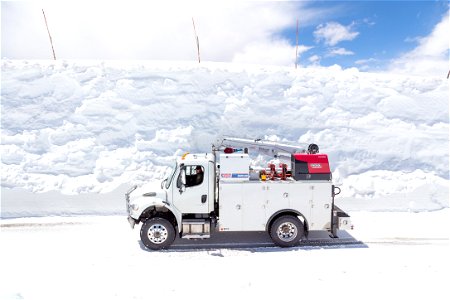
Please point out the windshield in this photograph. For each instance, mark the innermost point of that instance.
(170, 177)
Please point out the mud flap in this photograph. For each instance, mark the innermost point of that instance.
(132, 222)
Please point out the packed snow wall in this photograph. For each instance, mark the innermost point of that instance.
(90, 127)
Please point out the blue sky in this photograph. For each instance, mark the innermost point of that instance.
(368, 35)
(386, 29)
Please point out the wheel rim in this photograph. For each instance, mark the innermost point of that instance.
(287, 231)
(157, 234)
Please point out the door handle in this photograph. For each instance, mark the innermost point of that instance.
(204, 197)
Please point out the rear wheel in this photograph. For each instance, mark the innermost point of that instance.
(286, 231)
(157, 233)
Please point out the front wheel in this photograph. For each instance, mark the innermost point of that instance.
(157, 233)
(286, 231)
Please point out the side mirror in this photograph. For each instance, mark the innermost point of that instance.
(181, 181)
(183, 176)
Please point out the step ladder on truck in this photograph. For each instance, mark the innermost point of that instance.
(219, 192)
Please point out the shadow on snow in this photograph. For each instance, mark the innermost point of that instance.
(260, 242)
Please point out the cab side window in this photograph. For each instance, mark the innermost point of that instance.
(194, 175)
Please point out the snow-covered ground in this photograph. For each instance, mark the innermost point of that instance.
(403, 256)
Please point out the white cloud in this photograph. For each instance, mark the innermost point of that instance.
(430, 57)
(333, 33)
(415, 39)
(368, 21)
(277, 52)
(340, 51)
(156, 30)
(315, 59)
(365, 61)
(366, 64)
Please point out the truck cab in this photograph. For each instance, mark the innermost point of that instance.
(186, 199)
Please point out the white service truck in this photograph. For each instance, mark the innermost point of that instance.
(219, 191)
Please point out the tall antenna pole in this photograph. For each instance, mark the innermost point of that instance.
(196, 40)
(296, 48)
(50, 37)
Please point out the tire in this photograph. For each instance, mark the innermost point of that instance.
(157, 233)
(286, 231)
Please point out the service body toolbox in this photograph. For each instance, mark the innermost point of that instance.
(234, 167)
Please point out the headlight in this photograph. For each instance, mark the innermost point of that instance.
(134, 207)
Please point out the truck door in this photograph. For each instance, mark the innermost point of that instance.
(192, 196)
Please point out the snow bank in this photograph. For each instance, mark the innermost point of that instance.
(90, 127)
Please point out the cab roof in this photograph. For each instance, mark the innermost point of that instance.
(195, 157)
